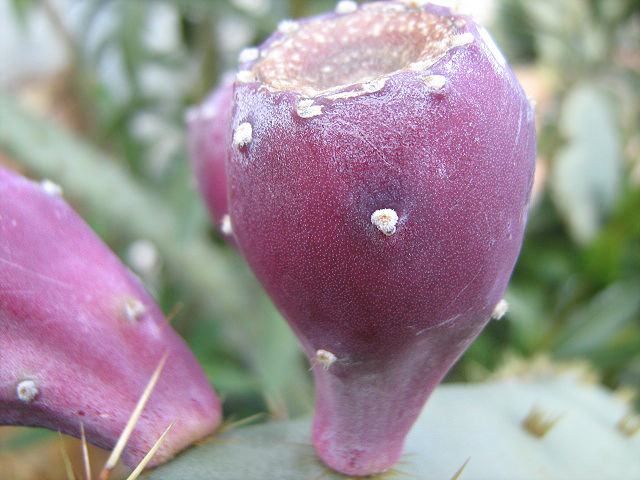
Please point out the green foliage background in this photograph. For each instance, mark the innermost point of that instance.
(120, 156)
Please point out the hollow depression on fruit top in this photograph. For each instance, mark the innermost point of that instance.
(324, 54)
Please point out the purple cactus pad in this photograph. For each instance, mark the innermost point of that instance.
(80, 337)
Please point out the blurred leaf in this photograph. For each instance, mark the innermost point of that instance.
(22, 8)
(24, 437)
(615, 253)
(515, 35)
(548, 16)
(526, 315)
(229, 378)
(573, 36)
(586, 175)
(614, 11)
(630, 374)
(591, 326)
(284, 370)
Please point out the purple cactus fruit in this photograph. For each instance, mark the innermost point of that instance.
(208, 127)
(381, 162)
(80, 337)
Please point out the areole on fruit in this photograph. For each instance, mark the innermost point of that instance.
(381, 202)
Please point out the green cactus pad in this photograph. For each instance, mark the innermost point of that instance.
(553, 427)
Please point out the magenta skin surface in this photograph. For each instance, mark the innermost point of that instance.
(455, 161)
(64, 326)
(208, 129)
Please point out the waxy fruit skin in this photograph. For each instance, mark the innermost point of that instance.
(381, 205)
(208, 129)
(80, 337)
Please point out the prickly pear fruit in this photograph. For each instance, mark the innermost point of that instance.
(381, 161)
(208, 128)
(80, 337)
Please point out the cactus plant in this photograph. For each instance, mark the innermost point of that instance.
(547, 423)
(380, 163)
(80, 336)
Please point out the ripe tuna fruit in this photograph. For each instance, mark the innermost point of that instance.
(208, 126)
(381, 161)
(80, 337)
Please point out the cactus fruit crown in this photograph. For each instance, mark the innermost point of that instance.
(356, 48)
(379, 162)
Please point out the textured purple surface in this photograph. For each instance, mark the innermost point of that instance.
(208, 128)
(80, 337)
(389, 107)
